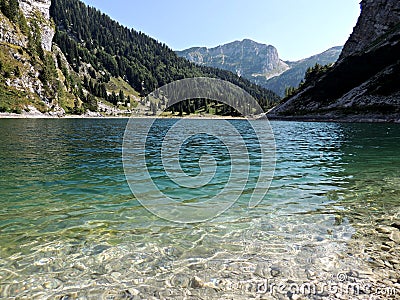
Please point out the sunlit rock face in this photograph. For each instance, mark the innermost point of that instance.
(9, 34)
(246, 58)
(39, 10)
(377, 18)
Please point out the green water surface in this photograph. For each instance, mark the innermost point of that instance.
(70, 226)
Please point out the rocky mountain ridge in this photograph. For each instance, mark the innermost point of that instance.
(246, 58)
(364, 84)
(295, 74)
(260, 63)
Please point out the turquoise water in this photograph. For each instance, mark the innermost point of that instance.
(71, 227)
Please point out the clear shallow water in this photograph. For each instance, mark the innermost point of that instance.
(70, 226)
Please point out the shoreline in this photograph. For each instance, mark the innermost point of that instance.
(46, 116)
(390, 119)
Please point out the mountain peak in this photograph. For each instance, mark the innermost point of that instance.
(246, 58)
(260, 63)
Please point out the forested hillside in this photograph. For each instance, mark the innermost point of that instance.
(96, 45)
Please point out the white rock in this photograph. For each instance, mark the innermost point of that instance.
(395, 236)
(29, 7)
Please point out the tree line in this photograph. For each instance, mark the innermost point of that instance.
(312, 74)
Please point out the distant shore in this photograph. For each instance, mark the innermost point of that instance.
(338, 119)
(48, 116)
(315, 118)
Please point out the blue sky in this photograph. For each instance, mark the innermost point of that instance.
(297, 28)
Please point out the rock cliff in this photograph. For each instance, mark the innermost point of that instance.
(364, 84)
(29, 77)
(39, 10)
(245, 58)
(377, 18)
(10, 34)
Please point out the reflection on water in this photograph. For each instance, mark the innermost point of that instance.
(69, 225)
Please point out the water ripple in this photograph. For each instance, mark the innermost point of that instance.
(70, 227)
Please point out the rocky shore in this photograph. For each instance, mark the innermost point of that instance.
(371, 118)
